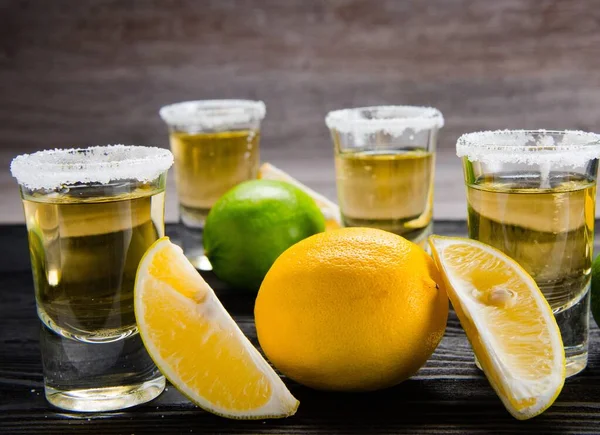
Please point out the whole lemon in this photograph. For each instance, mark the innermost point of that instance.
(252, 224)
(354, 309)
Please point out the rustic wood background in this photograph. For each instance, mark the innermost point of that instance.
(83, 72)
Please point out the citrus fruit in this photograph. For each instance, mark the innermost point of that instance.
(197, 345)
(509, 323)
(595, 290)
(353, 309)
(330, 210)
(249, 226)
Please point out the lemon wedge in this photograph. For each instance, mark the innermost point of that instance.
(198, 346)
(509, 323)
(330, 210)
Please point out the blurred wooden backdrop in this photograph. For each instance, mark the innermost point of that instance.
(83, 72)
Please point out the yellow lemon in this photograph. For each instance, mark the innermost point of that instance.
(353, 309)
(508, 322)
(197, 345)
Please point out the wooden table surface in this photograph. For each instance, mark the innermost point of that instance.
(448, 395)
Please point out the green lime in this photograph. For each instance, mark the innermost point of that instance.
(252, 224)
(596, 289)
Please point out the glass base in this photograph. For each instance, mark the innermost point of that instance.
(416, 235)
(191, 235)
(574, 324)
(106, 399)
(199, 261)
(191, 240)
(421, 237)
(576, 363)
(93, 377)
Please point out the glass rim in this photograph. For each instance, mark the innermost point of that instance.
(212, 113)
(395, 119)
(52, 169)
(536, 146)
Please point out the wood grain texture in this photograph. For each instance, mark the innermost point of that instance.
(96, 71)
(449, 395)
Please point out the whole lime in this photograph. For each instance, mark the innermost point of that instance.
(252, 224)
(596, 290)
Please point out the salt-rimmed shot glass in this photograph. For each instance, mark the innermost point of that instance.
(91, 214)
(384, 163)
(532, 194)
(216, 147)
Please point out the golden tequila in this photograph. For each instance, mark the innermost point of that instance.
(91, 214)
(532, 194)
(209, 164)
(547, 226)
(389, 189)
(85, 249)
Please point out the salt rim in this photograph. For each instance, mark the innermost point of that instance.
(52, 169)
(393, 120)
(533, 147)
(211, 114)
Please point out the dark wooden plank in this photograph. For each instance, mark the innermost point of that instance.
(449, 395)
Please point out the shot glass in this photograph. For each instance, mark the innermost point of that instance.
(532, 194)
(216, 146)
(384, 164)
(91, 214)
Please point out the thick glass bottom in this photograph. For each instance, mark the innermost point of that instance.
(91, 377)
(191, 240)
(105, 399)
(574, 324)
